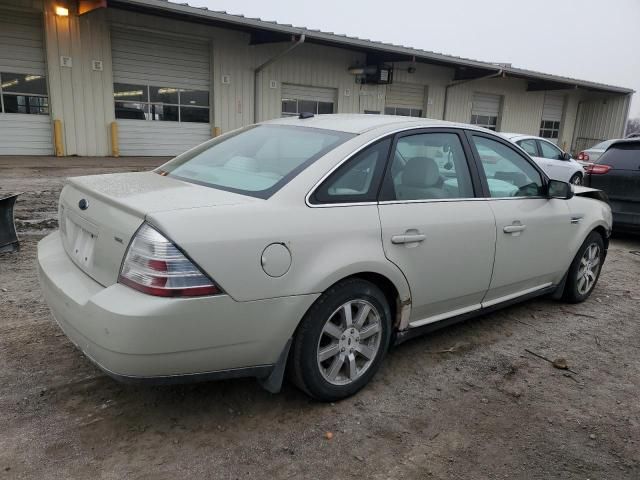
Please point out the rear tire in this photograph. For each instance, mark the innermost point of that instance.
(341, 341)
(576, 179)
(585, 269)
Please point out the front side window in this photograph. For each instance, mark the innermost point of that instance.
(255, 161)
(428, 166)
(549, 129)
(508, 173)
(549, 150)
(403, 111)
(23, 93)
(169, 104)
(358, 179)
(529, 146)
(294, 106)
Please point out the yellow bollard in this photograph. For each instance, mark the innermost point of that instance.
(58, 144)
(115, 146)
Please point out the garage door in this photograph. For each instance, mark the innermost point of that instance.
(25, 125)
(300, 98)
(551, 116)
(161, 90)
(485, 110)
(404, 99)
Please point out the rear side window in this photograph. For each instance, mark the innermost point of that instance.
(256, 161)
(358, 179)
(622, 156)
(428, 166)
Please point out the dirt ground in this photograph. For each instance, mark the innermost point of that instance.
(467, 402)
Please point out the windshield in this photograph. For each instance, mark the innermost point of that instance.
(255, 161)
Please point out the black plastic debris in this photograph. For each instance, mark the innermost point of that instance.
(8, 236)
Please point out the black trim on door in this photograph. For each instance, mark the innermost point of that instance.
(387, 192)
(476, 156)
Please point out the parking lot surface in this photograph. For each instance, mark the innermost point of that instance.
(471, 401)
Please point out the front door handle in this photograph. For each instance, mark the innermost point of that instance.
(408, 238)
(514, 228)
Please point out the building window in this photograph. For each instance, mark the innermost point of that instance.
(403, 111)
(486, 121)
(294, 106)
(549, 129)
(23, 93)
(168, 104)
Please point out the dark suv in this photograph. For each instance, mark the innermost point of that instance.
(617, 172)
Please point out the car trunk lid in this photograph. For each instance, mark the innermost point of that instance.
(99, 214)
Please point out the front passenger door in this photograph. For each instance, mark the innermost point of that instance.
(433, 227)
(533, 231)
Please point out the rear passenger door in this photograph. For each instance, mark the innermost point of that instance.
(434, 228)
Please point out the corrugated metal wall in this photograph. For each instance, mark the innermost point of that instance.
(80, 96)
(311, 65)
(83, 98)
(600, 118)
(22, 51)
(520, 111)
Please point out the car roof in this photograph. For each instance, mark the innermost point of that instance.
(624, 141)
(521, 136)
(360, 123)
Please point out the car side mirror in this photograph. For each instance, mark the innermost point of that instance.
(558, 189)
(566, 156)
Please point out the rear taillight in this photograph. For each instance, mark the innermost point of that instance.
(583, 156)
(156, 266)
(596, 169)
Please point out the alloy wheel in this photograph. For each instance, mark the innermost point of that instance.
(576, 179)
(349, 342)
(588, 269)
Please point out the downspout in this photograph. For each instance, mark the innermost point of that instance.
(264, 65)
(499, 73)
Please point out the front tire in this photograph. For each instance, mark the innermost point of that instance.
(341, 341)
(585, 269)
(576, 179)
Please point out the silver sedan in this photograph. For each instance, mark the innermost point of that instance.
(311, 244)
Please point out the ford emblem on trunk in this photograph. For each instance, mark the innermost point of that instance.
(83, 204)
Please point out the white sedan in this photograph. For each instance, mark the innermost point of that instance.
(557, 164)
(311, 244)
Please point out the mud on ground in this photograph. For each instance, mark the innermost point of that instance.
(468, 402)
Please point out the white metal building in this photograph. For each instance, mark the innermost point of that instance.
(149, 77)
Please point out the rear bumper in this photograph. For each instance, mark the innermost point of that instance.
(137, 337)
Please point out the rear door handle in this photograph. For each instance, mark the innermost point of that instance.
(408, 238)
(514, 228)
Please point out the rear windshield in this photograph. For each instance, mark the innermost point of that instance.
(622, 156)
(255, 161)
(602, 145)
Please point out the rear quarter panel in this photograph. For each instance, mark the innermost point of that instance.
(326, 245)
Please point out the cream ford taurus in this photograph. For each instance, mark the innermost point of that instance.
(311, 244)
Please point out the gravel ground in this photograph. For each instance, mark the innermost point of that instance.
(466, 402)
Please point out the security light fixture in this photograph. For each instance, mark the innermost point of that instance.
(62, 11)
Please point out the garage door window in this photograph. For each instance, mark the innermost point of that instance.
(403, 111)
(295, 106)
(486, 121)
(23, 93)
(171, 104)
(549, 129)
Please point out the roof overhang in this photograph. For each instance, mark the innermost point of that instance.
(262, 31)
